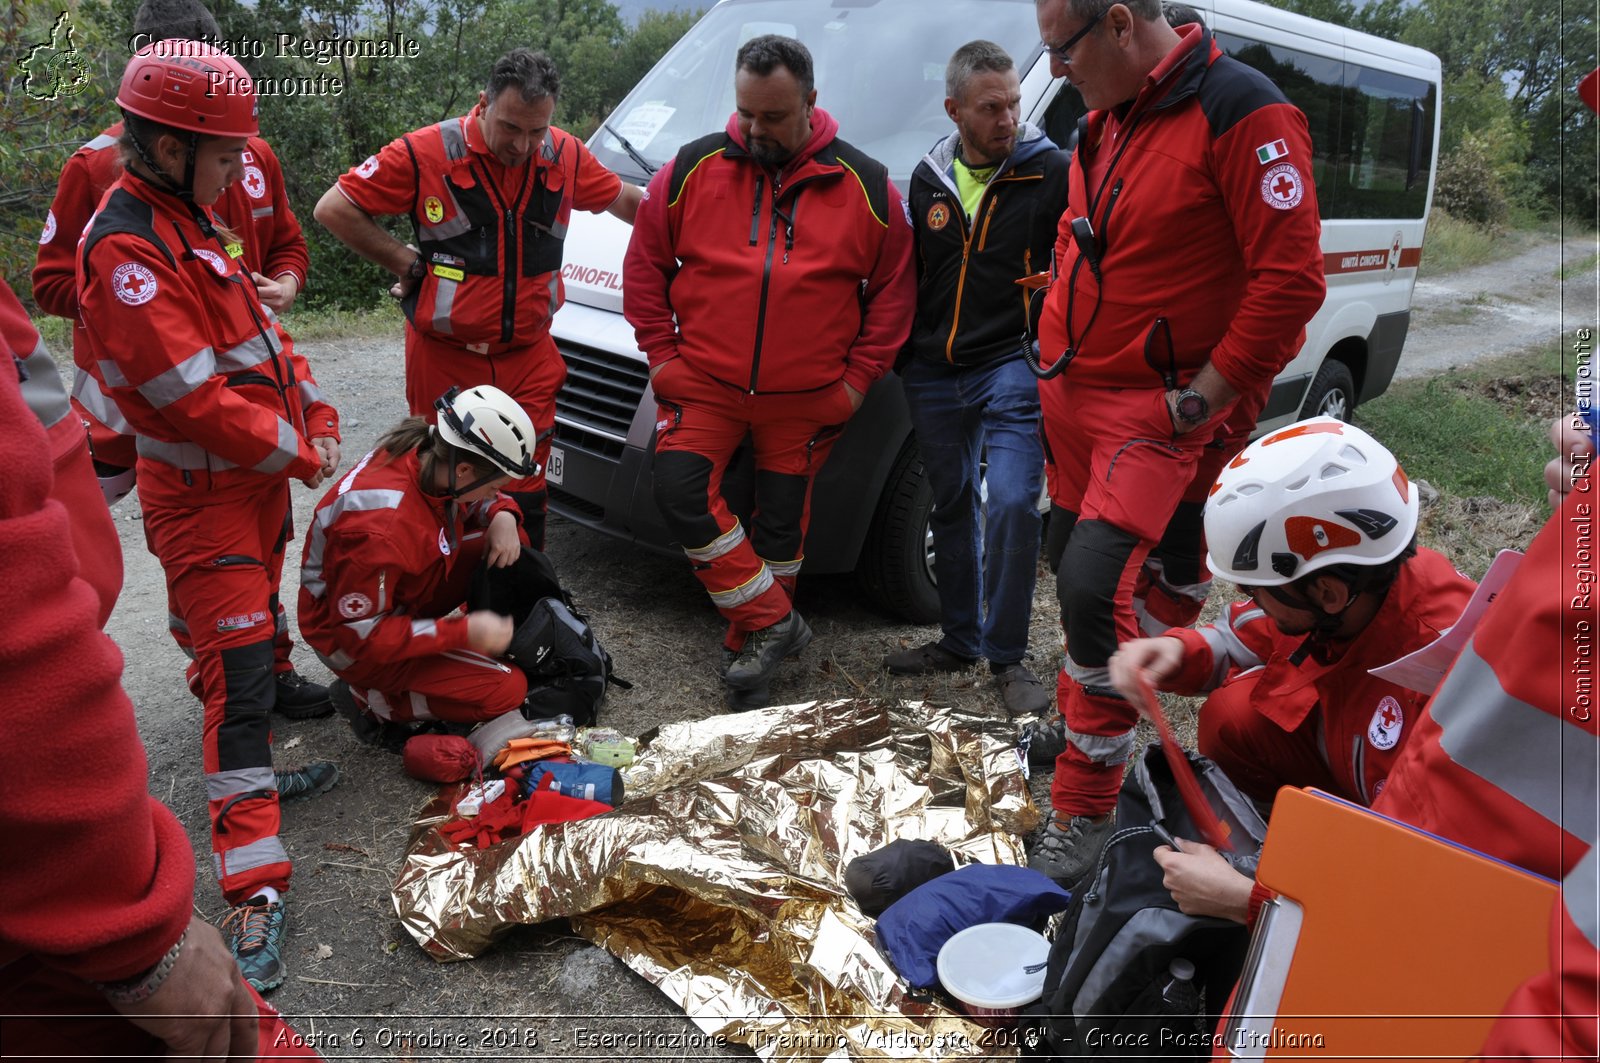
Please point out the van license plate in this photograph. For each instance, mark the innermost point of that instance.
(555, 468)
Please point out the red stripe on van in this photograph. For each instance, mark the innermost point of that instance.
(1361, 261)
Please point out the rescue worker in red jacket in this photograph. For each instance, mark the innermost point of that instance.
(489, 196)
(101, 954)
(256, 208)
(771, 324)
(390, 558)
(1186, 268)
(1335, 585)
(94, 536)
(226, 415)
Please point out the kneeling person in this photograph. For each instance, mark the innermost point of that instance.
(391, 555)
(1316, 524)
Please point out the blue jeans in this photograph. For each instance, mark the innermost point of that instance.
(964, 416)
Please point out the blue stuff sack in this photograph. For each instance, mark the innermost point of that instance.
(591, 782)
(912, 930)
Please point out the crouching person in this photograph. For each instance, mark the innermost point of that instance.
(1316, 525)
(390, 558)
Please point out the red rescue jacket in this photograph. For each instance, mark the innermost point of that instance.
(491, 236)
(1366, 721)
(378, 575)
(203, 372)
(793, 283)
(1205, 218)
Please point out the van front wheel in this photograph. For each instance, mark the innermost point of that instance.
(1332, 393)
(896, 564)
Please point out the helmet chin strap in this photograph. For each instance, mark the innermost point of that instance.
(184, 190)
(454, 492)
(1325, 624)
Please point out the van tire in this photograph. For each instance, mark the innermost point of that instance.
(895, 568)
(1332, 392)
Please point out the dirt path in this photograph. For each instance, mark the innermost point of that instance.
(351, 965)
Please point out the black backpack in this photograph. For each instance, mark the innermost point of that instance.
(567, 668)
(1108, 987)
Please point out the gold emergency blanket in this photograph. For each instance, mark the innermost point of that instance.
(721, 879)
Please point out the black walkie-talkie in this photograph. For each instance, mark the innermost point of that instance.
(1088, 246)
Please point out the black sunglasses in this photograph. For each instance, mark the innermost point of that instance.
(1061, 53)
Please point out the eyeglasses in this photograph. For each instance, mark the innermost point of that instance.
(1062, 53)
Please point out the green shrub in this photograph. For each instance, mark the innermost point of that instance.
(1468, 186)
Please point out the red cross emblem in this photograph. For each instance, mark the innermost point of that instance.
(1282, 186)
(133, 283)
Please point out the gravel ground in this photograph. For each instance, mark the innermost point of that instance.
(357, 985)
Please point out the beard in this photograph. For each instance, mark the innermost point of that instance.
(771, 155)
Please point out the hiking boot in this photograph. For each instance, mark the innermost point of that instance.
(254, 931)
(1069, 847)
(1045, 739)
(743, 700)
(301, 699)
(309, 781)
(926, 660)
(726, 661)
(368, 729)
(765, 649)
(1021, 690)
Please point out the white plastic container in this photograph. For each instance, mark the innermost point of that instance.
(985, 967)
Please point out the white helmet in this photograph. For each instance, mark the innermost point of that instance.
(489, 422)
(1317, 493)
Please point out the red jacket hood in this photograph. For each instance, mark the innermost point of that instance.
(824, 127)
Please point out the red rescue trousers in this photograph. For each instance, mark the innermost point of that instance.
(700, 422)
(1121, 472)
(222, 565)
(1257, 754)
(462, 686)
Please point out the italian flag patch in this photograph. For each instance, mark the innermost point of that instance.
(1267, 152)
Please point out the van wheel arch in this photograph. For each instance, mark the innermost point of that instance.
(1332, 392)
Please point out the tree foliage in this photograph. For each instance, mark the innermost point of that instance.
(318, 133)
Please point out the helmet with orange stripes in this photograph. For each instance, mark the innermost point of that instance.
(1307, 497)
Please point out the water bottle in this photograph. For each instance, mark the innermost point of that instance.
(555, 728)
(1180, 996)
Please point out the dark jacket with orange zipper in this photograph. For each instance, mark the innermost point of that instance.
(969, 310)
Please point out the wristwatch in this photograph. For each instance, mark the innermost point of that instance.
(1191, 407)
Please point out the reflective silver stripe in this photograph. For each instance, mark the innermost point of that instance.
(748, 591)
(1580, 893)
(224, 784)
(177, 624)
(262, 212)
(473, 657)
(454, 138)
(43, 391)
(718, 546)
(1084, 675)
(249, 354)
(1233, 647)
(347, 501)
(287, 450)
(378, 705)
(336, 661)
(424, 629)
(556, 299)
(181, 380)
(1540, 759)
(101, 142)
(111, 373)
(1103, 749)
(419, 706)
(444, 298)
(364, 628)
(258, 853)
(310, 394)
(86, 389)
(180, 455)
(786, 568)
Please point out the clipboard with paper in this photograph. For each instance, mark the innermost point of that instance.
(1384, 941)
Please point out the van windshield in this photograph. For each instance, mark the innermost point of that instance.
(879, 72)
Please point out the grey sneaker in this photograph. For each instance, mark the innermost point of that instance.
(254, 932)
(1068, 849)
(765, 649)
(1046, 739)
(309, 781)
(1021, 690)
(926, 659)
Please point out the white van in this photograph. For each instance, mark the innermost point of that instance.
(1373, 107)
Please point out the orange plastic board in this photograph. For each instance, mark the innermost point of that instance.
(1407, 946)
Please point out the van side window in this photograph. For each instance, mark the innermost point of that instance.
(1371, 131)
(1061, 117)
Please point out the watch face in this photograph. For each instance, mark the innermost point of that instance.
(1192, 407)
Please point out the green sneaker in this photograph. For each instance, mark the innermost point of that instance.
(309, 781)
(254, 931)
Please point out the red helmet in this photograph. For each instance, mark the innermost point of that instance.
(190, 85)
